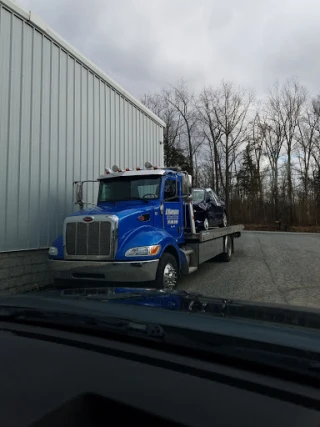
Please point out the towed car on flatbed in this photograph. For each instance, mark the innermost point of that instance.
(209, 209)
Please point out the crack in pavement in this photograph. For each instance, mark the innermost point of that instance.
(281, 293)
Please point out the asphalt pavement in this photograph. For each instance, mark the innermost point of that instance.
(266, 266)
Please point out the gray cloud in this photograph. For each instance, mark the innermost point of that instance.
(145, 44)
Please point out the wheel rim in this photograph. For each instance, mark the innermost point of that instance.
(225, 220)
(169, 276)
(206, 224)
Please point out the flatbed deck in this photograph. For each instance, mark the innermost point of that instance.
(215, 233)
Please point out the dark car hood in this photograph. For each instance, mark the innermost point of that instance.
(198, 202)
(200, 205)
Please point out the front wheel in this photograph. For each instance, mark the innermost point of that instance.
(167, 272)
(224, 220)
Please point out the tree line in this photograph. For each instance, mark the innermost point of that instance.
(262, 156)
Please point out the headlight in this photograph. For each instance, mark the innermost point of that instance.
(143, 251)
(53, 251)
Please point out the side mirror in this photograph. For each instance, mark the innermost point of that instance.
(186, 186)
(78, 191)
(78, 194)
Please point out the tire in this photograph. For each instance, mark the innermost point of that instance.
(224, 220)
(206, 224)
(167, 266)
(226, 256)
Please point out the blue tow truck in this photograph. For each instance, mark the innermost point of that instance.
(142, 230)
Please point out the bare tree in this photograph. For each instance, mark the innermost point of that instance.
(286, 103)
(265, 158)
(172, 139)
(230, 105)
(256, 140)
(316, 147)
(308, 141)
(212, 132)
(272, 135)
(183, 102)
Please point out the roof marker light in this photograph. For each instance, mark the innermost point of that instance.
(148, 165)
(137, 168)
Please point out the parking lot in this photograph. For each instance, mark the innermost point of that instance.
(266, 266)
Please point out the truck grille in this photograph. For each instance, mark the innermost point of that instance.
(88, 239)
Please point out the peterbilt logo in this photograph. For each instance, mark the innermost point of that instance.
(87, 219)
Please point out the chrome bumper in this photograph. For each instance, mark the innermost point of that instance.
(112, 271)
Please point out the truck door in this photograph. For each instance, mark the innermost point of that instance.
(173, 213)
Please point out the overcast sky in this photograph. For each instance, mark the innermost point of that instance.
(146, 44)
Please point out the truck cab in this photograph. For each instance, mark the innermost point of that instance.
(158, 194)
(135, 230)
(142, 230)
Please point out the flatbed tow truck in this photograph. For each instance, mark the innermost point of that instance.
(142, 230)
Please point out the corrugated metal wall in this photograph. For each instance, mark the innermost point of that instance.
(59, 122)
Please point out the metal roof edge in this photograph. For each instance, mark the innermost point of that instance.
(34, 19)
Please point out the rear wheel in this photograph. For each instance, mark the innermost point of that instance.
(226, 256)
(167, 272)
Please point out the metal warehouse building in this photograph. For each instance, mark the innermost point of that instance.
(61, 119)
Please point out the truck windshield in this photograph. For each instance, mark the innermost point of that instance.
(197, 195)
(129, 188)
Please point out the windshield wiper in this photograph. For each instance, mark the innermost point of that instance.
(54, 318)
(251, 310)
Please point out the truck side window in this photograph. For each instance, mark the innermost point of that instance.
(152, 189)
(170, 190)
